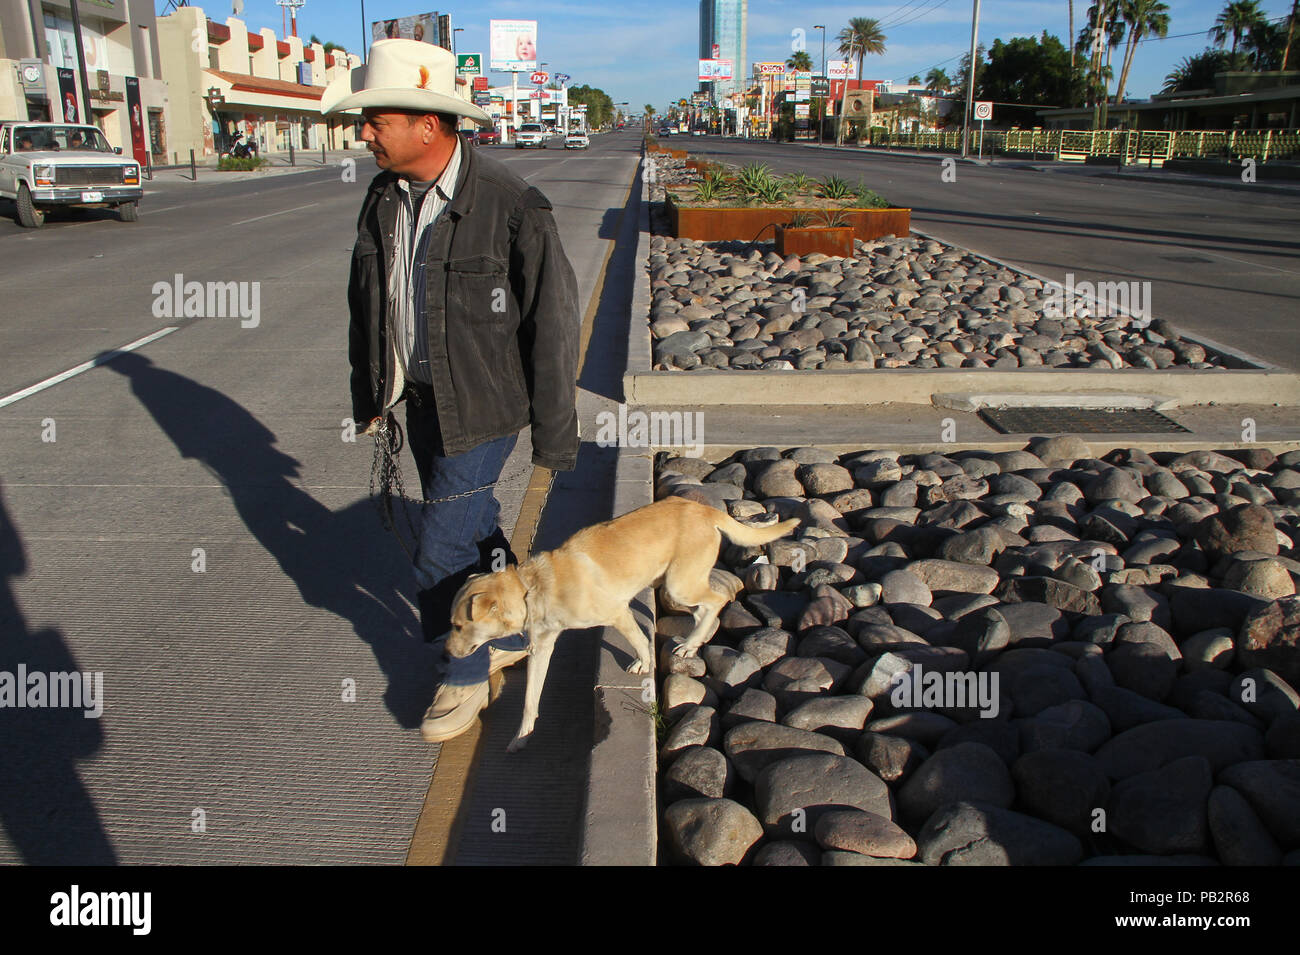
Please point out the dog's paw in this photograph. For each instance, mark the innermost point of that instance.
(518, 743)
(636, 666)
(685, 650)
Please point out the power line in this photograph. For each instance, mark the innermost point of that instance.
(894, 13)
(922, 13)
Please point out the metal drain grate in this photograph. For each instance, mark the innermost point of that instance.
(1080, 421)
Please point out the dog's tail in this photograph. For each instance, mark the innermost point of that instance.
(748, 535)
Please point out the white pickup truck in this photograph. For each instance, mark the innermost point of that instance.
(64, 164)
(531, 134)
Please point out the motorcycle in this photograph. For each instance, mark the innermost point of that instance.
(243, 149)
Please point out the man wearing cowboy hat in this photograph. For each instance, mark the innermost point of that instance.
(463, 304)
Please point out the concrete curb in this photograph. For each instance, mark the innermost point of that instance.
(1254, 381)
(619, 825)
(918, 385)
(620, 820)
(1106, 442)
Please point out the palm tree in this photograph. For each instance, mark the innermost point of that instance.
(1236, 19)
(937, 81)
(801, 62)
(860, 37)
(1071, 33)
(1143, 17)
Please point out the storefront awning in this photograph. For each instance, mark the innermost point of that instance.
(241, 89)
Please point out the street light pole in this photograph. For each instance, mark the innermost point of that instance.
(81, 66)
(365, 40)
(970, 82)
(454, 31)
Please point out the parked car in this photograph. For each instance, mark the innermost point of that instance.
(471, 136)
(489, 137)
(576, 139)
(43, 165)
(531, 134)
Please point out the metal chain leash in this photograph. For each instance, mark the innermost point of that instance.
(386, 485)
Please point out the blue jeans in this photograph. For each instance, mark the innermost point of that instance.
(452, 529)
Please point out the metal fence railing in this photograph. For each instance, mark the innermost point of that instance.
(1133, 145)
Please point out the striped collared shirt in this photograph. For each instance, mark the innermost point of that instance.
(406, 282)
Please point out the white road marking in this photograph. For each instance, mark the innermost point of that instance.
(85, 366)
(270, 215)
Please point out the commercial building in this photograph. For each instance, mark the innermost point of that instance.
(225, 81)
(724, 35)
(40, 76)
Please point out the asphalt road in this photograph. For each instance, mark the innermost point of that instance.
(1222, 263)
(188, 521)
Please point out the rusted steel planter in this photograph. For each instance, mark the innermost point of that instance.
(753, 223)
(805, 240)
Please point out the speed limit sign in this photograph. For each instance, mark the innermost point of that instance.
(539, 77)
(983, 110)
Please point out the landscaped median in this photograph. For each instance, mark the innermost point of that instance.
(752, 325)
(1035, 656)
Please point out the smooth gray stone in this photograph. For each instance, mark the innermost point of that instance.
(1152, 745)
(816, 784)
(967, 833)
(1163, 811)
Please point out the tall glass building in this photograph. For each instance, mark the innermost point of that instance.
(726, 24)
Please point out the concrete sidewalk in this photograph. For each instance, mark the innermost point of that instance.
(277, 165)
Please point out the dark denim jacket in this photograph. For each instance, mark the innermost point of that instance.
(501, 305)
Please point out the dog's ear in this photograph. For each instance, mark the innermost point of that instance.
(480, 605)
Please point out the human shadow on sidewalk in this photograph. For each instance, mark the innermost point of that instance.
(45, 808)
(341, 561)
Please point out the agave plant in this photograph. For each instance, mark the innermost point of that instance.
(869, 198)
(710, 188)
(799, 181)
(753, 177)
(773, 191)
(833, 187)
(832, 218)
(800, 220)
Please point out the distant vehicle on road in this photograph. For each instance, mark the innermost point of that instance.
(531, 134)
(489, 137)
(43, 165)
(576, 139)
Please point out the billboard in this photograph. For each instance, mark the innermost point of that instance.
(422, 27)
(842, 69)
(766, 69)
(715, 69)
(513, 45)
(469, 64)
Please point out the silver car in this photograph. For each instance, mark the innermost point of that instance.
(43, 165)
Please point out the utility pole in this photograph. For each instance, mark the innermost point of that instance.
(821, 100)
(970, 82)
(81, 66)
(365, 37)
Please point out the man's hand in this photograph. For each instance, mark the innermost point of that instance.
(376, 424)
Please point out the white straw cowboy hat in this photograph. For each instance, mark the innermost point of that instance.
(402, 74)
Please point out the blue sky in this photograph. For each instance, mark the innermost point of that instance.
(643, 53)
